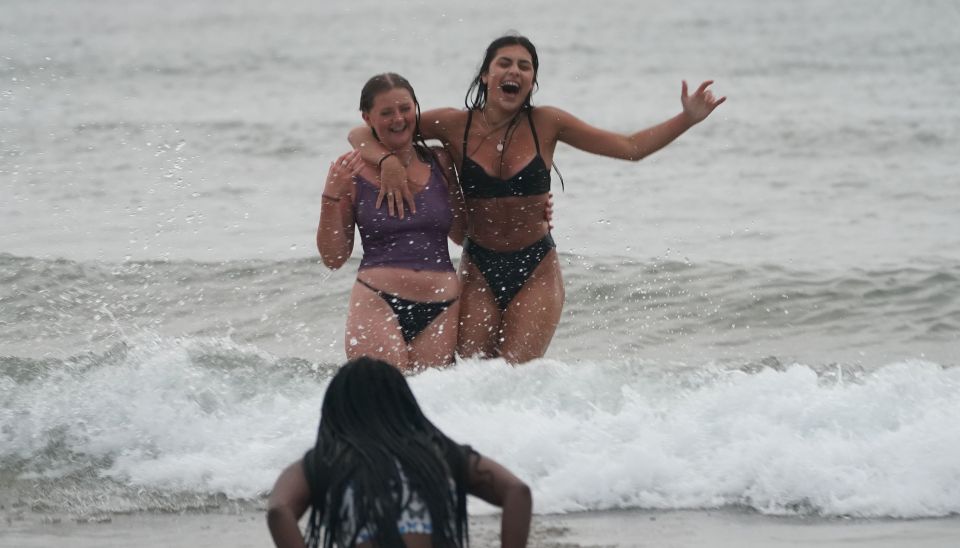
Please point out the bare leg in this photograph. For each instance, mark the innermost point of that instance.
(372, 329)
(532, 317)
(434, 346)
(479, 314)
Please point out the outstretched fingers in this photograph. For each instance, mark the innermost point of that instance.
(388, 196)
(407, 196)
(394, 189)
(708, 95)
(394, 204)
(380, 198)
(701, 103)
(703, 87)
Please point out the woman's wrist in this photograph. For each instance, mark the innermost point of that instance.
(688, 119)
(390, 161)
(385, 157)
(333, 194)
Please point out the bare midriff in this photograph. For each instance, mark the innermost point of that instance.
(415, 285)
(506, 224)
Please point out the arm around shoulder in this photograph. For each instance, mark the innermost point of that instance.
(444, 124)
(373, 152)
(439, 123)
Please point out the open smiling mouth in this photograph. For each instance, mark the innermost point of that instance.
(510, 88)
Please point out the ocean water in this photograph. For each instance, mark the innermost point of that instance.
(766, 314)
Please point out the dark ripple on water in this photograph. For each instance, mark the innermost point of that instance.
(60, 306)
(669, 301)
(644, 303)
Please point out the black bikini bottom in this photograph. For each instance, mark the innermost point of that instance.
(413, 316)
(507, 271)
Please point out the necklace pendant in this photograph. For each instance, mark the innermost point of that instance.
(500, 146)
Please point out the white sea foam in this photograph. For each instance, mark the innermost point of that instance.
(607, 435)
(207, 417)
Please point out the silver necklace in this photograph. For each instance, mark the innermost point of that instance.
(502, 140)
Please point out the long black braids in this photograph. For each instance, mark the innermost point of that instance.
(372, 435)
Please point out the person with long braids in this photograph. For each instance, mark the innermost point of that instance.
(403, 307)
(512, 291)
(381, 474)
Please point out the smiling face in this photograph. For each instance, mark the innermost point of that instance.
(393, 118)
(510, 77)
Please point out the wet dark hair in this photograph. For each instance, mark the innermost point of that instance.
(386, 82)
(477, 92)
(371, 427)
(476, 96)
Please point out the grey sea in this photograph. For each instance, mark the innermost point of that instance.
(762, 327)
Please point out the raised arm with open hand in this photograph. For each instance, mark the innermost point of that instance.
(699, 105)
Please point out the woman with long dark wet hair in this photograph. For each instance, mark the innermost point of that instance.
(512, 291)
(381, 474)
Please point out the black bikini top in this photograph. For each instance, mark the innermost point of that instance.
(532, 180)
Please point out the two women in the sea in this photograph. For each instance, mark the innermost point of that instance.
(404, 305)
(381, 474)
(512, 291)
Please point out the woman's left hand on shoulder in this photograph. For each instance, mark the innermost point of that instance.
(701, 103)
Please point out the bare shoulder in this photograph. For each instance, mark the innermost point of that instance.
(291, 488)
(551, 119)
(547, 112)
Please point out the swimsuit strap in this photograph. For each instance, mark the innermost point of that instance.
(380, 293)
(384, 295)
(536, 140)
(466, 132)
(533, 130)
